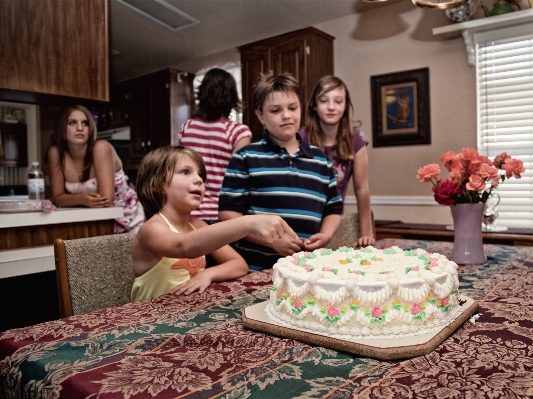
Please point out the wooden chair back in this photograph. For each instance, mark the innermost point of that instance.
(93, 273)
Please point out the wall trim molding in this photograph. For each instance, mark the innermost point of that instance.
(396, 200)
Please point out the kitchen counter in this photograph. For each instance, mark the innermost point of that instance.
(60, 215)
(28, 237)
(27, 267)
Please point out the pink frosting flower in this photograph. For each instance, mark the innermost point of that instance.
(377, 312)
(306, 267)
(333, 312)
(416, 309)
(444, 301)
(279, 295)
(298, 304)
(327, 269)
(428, 172)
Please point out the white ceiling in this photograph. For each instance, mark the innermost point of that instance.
(145, 46)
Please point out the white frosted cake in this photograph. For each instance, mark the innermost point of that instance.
(366, 293)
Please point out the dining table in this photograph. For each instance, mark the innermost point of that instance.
(196, 346)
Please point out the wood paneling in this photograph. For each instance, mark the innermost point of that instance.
(33, 236)
(55, 47)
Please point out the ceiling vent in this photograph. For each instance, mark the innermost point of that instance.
(162, 12)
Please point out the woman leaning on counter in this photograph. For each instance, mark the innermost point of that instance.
(87, 172)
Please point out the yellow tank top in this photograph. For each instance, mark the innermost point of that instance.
(166, 274)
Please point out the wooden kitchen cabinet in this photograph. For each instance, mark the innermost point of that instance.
(13, 145)
(157, 105)
(55, 47)
(305, 53)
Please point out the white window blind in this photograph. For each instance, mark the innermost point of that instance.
(504, 67)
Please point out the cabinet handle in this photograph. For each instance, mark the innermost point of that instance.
(149, 144)
(142, 144)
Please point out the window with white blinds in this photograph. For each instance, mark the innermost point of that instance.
(504, 65)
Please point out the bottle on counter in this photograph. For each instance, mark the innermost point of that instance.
(35, 182)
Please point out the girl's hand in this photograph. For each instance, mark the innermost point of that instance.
(364, 241)
(94, 200)
(270, 227)
(198, 283)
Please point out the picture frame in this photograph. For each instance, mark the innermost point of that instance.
(400, 108)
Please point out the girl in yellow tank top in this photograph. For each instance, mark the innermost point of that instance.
(169, 249)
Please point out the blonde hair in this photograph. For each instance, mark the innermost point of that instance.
(155, 173)
(343, 151)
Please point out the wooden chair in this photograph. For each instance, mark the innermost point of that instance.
(93, 273)
(348, 231)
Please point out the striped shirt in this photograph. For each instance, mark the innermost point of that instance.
(214, 141)
(263, 178)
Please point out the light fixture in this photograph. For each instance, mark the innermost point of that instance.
(432, 4)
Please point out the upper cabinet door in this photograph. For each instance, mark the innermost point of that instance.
(55, 47)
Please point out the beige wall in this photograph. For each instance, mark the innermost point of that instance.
(393, 38)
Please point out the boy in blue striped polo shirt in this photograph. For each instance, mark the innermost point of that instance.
(282, 175)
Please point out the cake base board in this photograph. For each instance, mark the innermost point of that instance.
(255, 318)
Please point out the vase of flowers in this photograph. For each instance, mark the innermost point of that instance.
(473, 178)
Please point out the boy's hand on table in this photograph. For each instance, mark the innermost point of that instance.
(287, 245)
(316, 241)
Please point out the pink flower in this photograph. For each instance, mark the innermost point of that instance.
(446, 193)
(416, 309)
(489, 172)
(298, 304)
(449, 160)
(473, 176)
(444, 301)
(475, 183)
(499, 160)
(513, 167)
(327, 269)
(377, 312)
(333, 312)
(279, 295)
(306, 267)
(428, 172)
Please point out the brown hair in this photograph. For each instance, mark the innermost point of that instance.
(155, 173)
(269, 83)
(344, 149)
(60, 138)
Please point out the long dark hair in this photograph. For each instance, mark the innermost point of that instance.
(60, 138)
(217, 95)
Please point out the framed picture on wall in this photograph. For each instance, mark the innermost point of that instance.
(400, 108)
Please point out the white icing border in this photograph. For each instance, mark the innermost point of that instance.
(285, 320)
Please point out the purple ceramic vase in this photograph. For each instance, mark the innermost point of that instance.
(468, 238)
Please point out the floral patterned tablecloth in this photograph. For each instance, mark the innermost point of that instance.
(196, 347)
